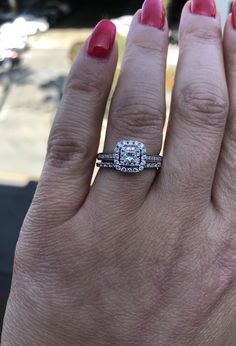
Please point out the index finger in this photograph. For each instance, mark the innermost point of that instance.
(74, 138)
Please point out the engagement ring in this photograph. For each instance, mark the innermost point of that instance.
(129, 157)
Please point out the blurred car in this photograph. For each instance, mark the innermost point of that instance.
(53, 11)
(25, 25)
(6, 17)
(13, 41)
(9, 58)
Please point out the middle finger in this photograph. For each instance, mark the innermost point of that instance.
(199, 105)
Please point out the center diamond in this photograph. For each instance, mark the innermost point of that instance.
(130, 156)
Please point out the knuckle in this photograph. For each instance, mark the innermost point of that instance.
(65, 149)
(201, 35)
(202, 103)
(142, 118)
(146, 47)
(85, 81)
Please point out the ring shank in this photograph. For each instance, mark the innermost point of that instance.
(110, 157)
(150, 165)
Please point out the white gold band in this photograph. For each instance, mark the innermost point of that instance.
(129, 157)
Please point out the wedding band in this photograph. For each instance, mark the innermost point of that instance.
(129, 157)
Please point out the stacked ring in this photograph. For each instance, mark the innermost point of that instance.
(129, 156)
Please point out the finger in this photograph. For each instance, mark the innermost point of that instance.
(199, 106)
(74, 137)
(224, 189)
(138, 106)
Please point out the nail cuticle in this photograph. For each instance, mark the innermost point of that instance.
(153, 14)
(203, 7)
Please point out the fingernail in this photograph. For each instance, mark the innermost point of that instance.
(102, 39)
(153, 13)
(234, 14)
(203, 7)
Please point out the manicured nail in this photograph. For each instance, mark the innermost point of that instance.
(102, 39)
(234, 14)
(203, 7)
(153, 13)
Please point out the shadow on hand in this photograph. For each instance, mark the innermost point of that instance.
(14, 204)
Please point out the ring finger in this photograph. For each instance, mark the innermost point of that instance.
(138, 106)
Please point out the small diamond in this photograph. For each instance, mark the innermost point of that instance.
(141, 168)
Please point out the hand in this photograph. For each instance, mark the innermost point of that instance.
(142, 259)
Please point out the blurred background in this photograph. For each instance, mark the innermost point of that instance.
(38, 42)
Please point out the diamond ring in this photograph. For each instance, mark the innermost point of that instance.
(129, 157)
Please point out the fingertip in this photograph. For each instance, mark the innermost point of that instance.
(137, 22)
(101, 41)
(142, 35)
(192, 21)
(100, 48)
(233, 17)
(229, 37)
(153, 14)
(98, 65)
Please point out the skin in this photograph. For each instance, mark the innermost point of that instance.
(145, 259)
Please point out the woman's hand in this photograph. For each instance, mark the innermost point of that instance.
(143, 259)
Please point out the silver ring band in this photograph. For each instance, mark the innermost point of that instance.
(129, 157)
(128, 170)
(111, 157)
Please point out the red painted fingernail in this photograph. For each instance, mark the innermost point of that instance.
(203, 7)
(153, 13)
(102, 39)
(234, 14)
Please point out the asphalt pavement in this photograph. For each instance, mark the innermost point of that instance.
(30, 98)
